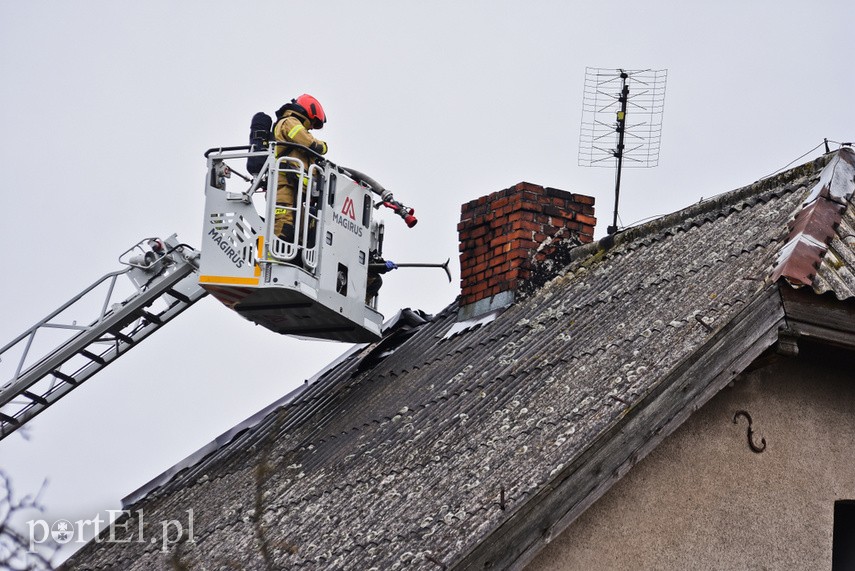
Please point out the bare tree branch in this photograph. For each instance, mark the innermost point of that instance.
(15, 547)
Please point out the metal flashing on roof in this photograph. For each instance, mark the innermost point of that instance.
(487, 305)
(838, 177)
(462, 327)
(816, 223)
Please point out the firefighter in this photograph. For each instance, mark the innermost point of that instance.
(294, 120)
(376, 266)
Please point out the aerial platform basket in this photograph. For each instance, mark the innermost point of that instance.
(313, 285)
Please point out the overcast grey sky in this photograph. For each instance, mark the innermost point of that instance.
(106, 108)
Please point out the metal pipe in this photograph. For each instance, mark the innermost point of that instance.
(621, 124)
(379, 267)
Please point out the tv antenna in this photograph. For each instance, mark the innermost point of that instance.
(633, 116)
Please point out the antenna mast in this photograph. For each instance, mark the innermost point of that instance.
(647, 101)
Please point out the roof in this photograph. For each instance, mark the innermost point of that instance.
(454, 447)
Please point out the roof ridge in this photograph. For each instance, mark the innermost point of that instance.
(732, 199)
(815, 222)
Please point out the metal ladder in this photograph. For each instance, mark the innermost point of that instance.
(165, 283)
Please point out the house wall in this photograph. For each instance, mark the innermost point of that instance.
(704, 500)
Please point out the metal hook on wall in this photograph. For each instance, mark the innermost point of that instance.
(754, 447)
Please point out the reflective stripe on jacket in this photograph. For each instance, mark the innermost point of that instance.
(292, 127)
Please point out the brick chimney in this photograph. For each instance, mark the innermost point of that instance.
(505, 234)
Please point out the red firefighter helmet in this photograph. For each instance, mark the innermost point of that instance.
(314, 111)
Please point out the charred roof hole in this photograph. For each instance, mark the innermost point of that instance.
(395, 332)
(519, 235)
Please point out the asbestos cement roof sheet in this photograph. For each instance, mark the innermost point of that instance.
(409, 452)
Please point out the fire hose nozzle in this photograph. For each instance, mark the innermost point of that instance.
(408, 214)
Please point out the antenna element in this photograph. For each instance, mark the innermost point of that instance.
(605, 112)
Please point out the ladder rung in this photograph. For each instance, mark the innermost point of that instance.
(35, 398)
(124, 338)
(151, 317)
(93, 357)
(9, 419)
(67, 378)
(178, 295)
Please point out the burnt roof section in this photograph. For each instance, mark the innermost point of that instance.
(446, 443)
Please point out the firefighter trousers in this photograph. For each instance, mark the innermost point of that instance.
(286, 200)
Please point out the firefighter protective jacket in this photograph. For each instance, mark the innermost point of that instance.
(293, 127)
